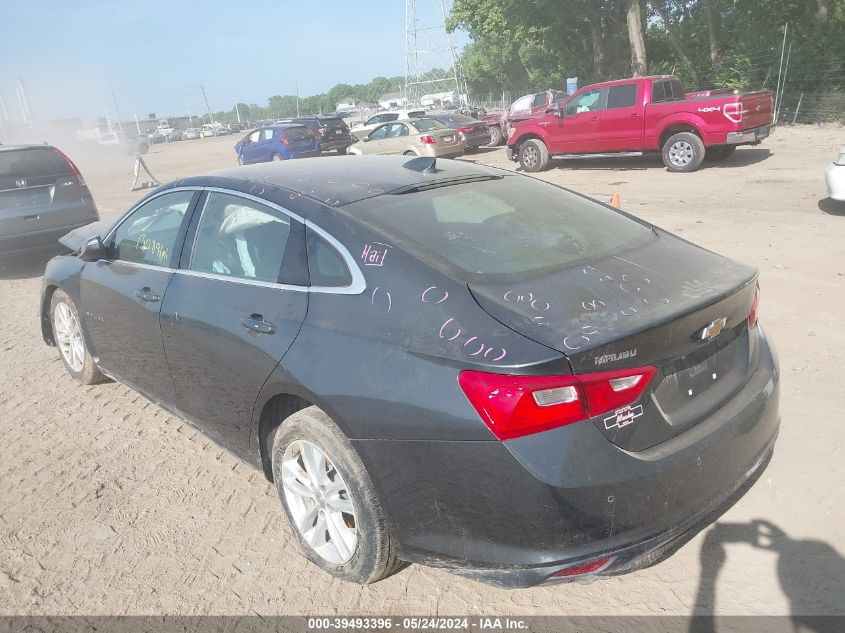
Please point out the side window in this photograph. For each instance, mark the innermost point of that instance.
(267, 135)
(374, 120)
(240, 238)
(379, 133)
(325, 265)
(148, 235)
(398, 129)
(590, 101)
(624, 96)
(658, 91)
(253, 138)
(389, 117)
(539, 100)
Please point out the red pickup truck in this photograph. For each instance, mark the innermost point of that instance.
(648, 114)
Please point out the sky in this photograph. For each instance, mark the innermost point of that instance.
(158, 53)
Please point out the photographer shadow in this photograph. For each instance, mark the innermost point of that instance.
(811, 574)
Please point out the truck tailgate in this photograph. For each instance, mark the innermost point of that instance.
(756, 110)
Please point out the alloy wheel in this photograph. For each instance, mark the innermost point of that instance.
(69, 336)
(681, 153)
(319, 502)
(530, 156)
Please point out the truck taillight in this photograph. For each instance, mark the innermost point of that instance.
(466, 130)
(513, 406)
(733, 111)
(428, 140)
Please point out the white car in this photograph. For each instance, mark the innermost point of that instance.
(360, 131)
(835, 176)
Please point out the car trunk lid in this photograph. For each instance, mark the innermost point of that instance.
(665, 304)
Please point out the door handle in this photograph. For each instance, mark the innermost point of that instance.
(146, 295)
(594, 119)
(256, 323)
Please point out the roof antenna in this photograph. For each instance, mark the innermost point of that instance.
(423, 164)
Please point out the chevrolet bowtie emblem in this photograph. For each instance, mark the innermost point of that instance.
(712, 329)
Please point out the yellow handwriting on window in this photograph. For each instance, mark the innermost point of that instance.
(156, 249)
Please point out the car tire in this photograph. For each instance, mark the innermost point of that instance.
(496, 136)
(409, 153)
(70, 341)
(533, 156)
(276, 156)
(683, 152)
(356, 509)
(718, 153)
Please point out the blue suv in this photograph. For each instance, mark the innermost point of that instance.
(277, 142)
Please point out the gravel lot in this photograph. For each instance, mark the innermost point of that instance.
(109, 505)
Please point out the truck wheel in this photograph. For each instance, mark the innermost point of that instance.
(718, 153)
(533, 155)
(683, 152)
(496, 137)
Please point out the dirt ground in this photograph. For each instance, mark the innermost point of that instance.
(109, 505)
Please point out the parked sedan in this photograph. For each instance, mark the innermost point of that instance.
(433, 361)
(835, 177)
(472, 132)
(276, 142)
(411, 137)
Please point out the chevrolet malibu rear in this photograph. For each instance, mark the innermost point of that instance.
(436, 362)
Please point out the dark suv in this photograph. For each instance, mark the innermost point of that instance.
(332, 132)
(42, 197)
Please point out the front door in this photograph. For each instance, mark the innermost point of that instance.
(227, 320)
(578, 130)
(377, 140)
(121, 296)
(252, 148)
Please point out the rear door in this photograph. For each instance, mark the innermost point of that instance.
(621, 123)
(396, 141)
(233, 309)
(39, 191)
(121, 296)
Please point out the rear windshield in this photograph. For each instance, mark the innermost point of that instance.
(416, 113)
(424, 125)
(33, 162)
(510, 226)
(333, 122)
(457, 119)
(296, 133)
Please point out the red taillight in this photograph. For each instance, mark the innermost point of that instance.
(733, 111)
(752, 315)
(465, 130)
(428, 140)
(72, 166)
(513, 406)
(585, 568)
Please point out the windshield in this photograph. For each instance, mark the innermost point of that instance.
(508, 226)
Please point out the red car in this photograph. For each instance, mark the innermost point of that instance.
(647, 114)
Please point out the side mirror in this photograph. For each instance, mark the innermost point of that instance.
(93, 250)
(366, 138)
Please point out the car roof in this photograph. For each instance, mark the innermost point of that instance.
(8, 148)
(341, 180)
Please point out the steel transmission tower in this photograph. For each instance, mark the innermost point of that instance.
(432, 66)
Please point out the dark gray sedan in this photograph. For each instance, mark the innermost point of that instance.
(435, 362)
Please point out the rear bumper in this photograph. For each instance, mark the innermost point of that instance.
(41, 240)
(513, 513)
(749, 137)
(334, 144)
(476, 140)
